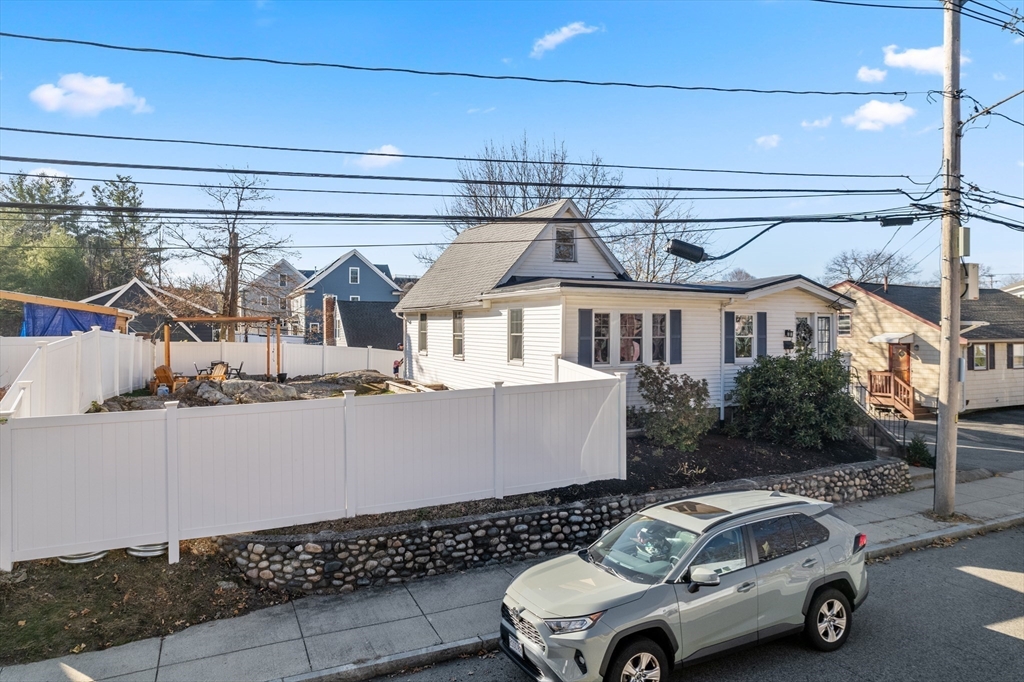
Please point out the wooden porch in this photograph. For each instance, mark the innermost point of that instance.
(888, 389)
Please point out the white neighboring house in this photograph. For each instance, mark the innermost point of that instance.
(1016, 289)
(505, 299)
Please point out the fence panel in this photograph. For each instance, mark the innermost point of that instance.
(570, 371)
(59, 376)
(382, 360)
(107, 362)
(84, 483)
(555, 435)
(14, 354)
(254, 467)
(303, 359)
(417, 450)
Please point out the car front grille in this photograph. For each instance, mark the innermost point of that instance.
(522, 626)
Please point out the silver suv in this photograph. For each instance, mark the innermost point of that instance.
(681, 581)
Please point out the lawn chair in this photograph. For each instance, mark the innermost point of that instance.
(218, 373)
(165, 376)
(236, 372)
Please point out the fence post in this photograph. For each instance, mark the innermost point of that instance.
(99, 364)
(222, 346)
(497, 445)
(42, 378)
(117, 362)
(6, 497)
(171, 458)
(76, 381)
(369, 350)
(131, 361)
(622, 424)
(323, 359)
(554, 371)
(351, 505)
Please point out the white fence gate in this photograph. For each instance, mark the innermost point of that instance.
(82, 483)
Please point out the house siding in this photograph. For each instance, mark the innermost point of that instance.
(485, 344)
(539, 259)
(268, 284)
(998, 387)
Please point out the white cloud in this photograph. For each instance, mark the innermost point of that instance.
(481, 111)
(999, 76)
(817, 123)
(506, 60)
(928, 60)
(768, 141)
(1018, 40)
(81, 95)
(877, 115)
(868, 75)
(379, 161)
(556, 38)
(49, 172)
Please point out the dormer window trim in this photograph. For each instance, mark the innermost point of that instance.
(565, 244)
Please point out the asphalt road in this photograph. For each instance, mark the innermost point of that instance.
(993, 439)
(950, 613)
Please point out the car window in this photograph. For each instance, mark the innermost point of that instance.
(808, 531)
(774, 538)
(723, 553)
(641, 549)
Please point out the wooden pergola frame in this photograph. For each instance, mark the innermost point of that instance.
(218, 319)
(121, 316)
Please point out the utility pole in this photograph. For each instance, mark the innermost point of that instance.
(949, 343)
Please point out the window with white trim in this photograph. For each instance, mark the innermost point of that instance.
(457, 333)
(282, 303)
(980, 358)
(631, 337)
(565, 244)
(659, 339)
(824, 335)
(844, 324)
(1018, 355)
(422, 333)
(353, 298)
(744, 340)
(282, 280)
(515, 334)
(602, 337)
(353, 275)
(314, 327)
(264, 300)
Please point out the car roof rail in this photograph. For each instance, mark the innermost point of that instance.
(707, 493)
(751, 512)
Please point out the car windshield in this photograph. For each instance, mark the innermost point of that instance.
(641, 549)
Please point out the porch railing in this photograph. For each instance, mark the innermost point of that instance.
(890, 387)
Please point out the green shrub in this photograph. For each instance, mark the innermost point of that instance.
(794, 400)
(677, 413)
(918, 453)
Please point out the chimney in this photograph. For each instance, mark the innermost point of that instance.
(885, 283)
(330, 305)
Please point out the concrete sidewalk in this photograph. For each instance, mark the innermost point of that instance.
(376, 631)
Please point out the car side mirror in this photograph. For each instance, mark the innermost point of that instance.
(704, 577)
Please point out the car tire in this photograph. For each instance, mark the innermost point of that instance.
(829, 619)
(639, 656)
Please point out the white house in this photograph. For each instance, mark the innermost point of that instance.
(505, 299)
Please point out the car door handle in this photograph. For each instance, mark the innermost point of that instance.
(809, 562)
(746, 587)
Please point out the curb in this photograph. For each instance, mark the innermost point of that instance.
(961, 530)
(354, 672)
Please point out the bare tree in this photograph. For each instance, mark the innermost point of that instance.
(639, 241)
(236, 247)
(870, 266)
(738, 275)
(510, 179)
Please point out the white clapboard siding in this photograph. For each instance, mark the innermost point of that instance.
(539, 259)
(485, 341)
(76, 487)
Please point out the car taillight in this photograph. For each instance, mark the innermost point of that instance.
(860, 541)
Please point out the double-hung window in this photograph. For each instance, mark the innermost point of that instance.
(282, 280)
(515, 334)
(565, 244)
(659, 337)
(744, 337)
(631, 337)
(980, 358)
(421, 331)
(824, 335)
(1017, 356)
(602, 337)
(264, 300)
(283, 303)
(457, 332)
(353, 275)
(844, 324)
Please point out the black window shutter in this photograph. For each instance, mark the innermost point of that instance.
(762, 334)
(970, 356)
(1009, 356)
(730, 338)
(991, 356)
(585, 350)
(675, 332)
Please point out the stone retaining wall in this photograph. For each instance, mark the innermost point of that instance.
(342, 562)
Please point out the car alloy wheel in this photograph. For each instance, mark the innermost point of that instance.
(832, 621)
(640, 661)
(642, 668)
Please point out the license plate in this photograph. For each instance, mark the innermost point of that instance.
(516, 646)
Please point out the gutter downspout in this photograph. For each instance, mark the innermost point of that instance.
(721, 357)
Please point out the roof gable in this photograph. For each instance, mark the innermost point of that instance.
(338, 262)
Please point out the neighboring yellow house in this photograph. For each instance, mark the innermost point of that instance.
(893, 339)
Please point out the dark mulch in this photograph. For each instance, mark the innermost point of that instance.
(649, 467)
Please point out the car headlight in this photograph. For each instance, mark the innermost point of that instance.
(562, 626)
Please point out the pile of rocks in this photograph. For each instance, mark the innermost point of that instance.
(332, 562)
(204, 394)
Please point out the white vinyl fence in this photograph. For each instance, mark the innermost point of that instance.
(296, 359)
(14, 354)
(82, 483)
(64, 376)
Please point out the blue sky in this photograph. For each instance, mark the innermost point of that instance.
(793, 45)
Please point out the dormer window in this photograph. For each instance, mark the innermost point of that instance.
(565, 245)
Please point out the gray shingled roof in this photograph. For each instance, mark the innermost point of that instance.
(370, 323)
(467, 269)
(1004, 312)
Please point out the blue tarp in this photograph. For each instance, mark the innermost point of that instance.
(44, 320)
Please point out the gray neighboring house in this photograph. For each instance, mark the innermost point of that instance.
(154, 305)
(350, 277)
(267, 295)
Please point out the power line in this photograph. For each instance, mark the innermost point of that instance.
(458, 74)
(397, 178)
(437, 157)
(962, 10)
